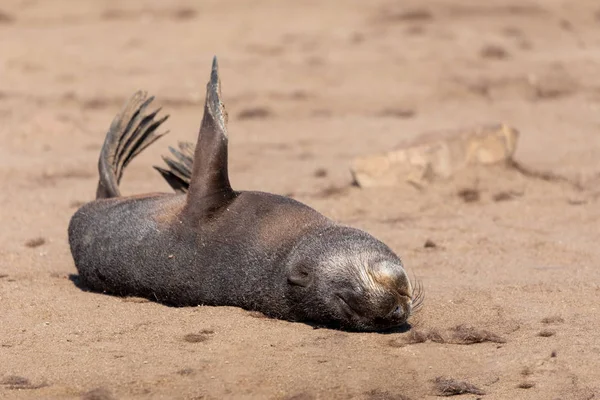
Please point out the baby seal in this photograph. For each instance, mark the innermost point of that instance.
(208, 244)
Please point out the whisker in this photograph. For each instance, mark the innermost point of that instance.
(418, 297)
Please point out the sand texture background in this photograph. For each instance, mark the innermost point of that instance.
(513, 281)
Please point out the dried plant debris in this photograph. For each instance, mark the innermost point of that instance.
(547, 176)
(398, 112)
(255, 113)
(463, 334)
(321, 112)
(526, 371)
(320, 173)
(429, 244)
(505, 196)
(396, 343)
(493, 51)
(546, 333)
(186, 371)
(406, 15)
(378, 394)
(417, 336)
(98, 394)
(6, 18)
(555, 319)
(525, 385)
(452, 387)
(184, 13)
(15, 382)
(469, 195)
(435, 336)
(300, 396)
(35, 242)
(196, 337)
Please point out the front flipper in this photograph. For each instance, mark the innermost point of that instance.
(209, 187)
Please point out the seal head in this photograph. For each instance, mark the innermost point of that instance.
(346, 276)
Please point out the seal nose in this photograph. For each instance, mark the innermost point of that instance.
(402, 311)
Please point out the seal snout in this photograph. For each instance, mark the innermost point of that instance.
(392, 277)
(401, 309)
(382, 297)
(394, 294)
(383, 310)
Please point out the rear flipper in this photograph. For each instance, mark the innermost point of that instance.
(131, 131)
(179, 170)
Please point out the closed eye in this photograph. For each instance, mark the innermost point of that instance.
(347, 307)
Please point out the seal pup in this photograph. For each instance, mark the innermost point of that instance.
(208, 244)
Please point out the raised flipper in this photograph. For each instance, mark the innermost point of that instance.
(209, 187)
(131, 131)
(179, 172)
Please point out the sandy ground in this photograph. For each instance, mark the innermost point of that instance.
(309, 85)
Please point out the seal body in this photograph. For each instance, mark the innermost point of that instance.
(235, 259)
(212, 245)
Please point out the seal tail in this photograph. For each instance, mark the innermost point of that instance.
(131, 131)
(178, 173)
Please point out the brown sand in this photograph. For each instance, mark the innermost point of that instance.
(511, 273)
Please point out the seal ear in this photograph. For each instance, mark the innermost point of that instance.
(209, 183)
(300, 275)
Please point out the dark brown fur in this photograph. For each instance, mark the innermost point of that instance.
(209, 244)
